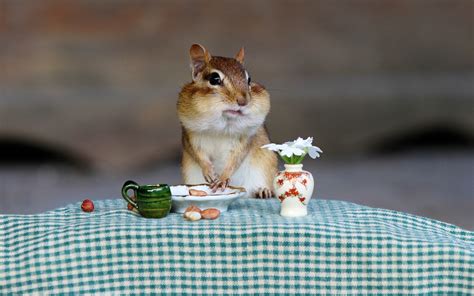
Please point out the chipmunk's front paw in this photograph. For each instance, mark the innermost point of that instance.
(263, 193)
(220, 184)
(209, 175)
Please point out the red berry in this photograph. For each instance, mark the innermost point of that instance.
(87, 205)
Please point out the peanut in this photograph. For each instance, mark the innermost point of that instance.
(193, 208)
(192, 213)
(192, 216)
(195, 192)
(210, 214)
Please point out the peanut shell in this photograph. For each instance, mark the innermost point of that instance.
(192, 208)
(195, 192)
(210, 214)
(192, 216)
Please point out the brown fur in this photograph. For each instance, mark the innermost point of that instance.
(264, 157)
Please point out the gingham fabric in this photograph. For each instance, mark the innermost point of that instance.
(339, 248)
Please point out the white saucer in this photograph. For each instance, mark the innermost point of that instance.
(219, 200)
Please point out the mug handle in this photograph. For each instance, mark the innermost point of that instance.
(130, 185)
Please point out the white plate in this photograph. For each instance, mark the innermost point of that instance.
(219, 200)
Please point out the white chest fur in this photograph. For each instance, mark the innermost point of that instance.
(217, 147)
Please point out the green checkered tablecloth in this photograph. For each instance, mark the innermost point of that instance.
(340, 248)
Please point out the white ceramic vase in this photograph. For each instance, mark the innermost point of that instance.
(293, 187)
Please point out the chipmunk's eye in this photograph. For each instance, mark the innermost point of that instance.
(215, 79)
(248, 77)
(249, 80)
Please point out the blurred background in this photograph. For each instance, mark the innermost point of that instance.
(88, 92)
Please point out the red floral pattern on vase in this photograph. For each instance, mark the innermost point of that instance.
(304, 182)
(292, 175)
(292, 192)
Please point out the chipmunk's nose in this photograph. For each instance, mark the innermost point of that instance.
(242, 101)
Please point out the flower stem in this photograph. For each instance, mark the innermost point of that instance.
(300, 159)
(285, 159)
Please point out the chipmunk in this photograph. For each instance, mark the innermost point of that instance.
(222, 113)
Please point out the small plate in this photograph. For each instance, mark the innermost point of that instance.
(219, 200)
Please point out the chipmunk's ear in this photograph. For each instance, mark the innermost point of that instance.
(199, 58)
(240, 55)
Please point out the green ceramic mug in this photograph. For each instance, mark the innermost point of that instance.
(152, 201)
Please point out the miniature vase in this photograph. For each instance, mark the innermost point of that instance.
(293, 187)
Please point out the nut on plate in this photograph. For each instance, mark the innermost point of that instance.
(195, 192)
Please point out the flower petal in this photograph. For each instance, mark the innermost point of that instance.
(302, 143)
(286, 152)
(273, 147)
(313, 153)
(290, 151)
(270, 146)
(298, 151)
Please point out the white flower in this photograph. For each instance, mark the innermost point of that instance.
(307, 146)
(299, 147)
(300, 143)
(274, 147)
(313, 151)
(290, 151)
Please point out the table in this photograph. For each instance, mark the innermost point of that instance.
(339, 248)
